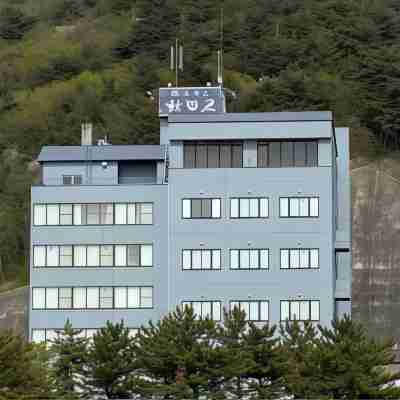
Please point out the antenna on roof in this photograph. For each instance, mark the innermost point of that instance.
(221, 49)
(176, 60)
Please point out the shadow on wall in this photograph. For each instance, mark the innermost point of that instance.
(14, 310)
(376, 247)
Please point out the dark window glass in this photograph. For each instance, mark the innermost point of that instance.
(213, 156)
(201, 156)
(206, 208)
(275, 154)
(196, 208)
(67, 180)
(312, 154)
(237, 156)
(287, 154)
(262, 155)
(133, 255)
(299, 154)
(189, 156)
(225, 156)
(93, 214)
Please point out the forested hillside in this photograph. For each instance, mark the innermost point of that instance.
(63, 62)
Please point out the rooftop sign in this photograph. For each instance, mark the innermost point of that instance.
(196, 100)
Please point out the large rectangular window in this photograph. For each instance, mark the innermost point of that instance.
(256, 310)
(299, 258)
(201, 208)
(93, 214)
(300, 310)
(131, 255)
(205, 309)
(249, 207)
(92, 297)
(198, 259)
(212, 154)
(299, 207)
(249, 258)
(279, 154)
(72, 179)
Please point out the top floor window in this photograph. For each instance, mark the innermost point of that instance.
(276, 154)
(72, 179)
(212, 154)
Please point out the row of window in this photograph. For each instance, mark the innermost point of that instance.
(272, 154)
(142, 297)
(251, 207)
(141, 255)
(46, 335)
(93, 214)
(109, 297)
(125, 255)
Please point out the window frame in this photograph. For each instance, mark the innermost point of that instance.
(299, 301)
(252, 301)
(211, 302)
(201, 268)
(309, 267)
(248, 198)
(201, 199)
(289, 198)
(74, 178)
(259, 268)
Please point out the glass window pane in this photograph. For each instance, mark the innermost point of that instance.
(254, 311)
(146, 255)
(93, 256)
(264, 258)
(264, 311)
(93, 214)
(120, 256)
(52, 256)
(299, 154)
(51, 298)
(262, 155)
(244, 208)
(80, 256)
(294, 310)
(234, 208)
(131, 213)
(216, 311)
(186, 208)
(264, 208)
(196, 259)
(275, 154)
(201, 156)
(314, 258)
(121, 300)
(146, 213)
(314, 207)
(284, 310)
(254, 208)
(216, 259)
(93, 297)
(66, 256)
(196, 208)
(79, 297)
(133, 297)
(206, 309)
(189, 152)
(287, 154)
(186, 259)
(244, 259)
(107, 214)
(106, 256)
(39, 256)
(254, 261)
(234, 259)
(120, 214)
(237, 156)
(106, 297)
(65, 214)
(146, 297)
(304, 262)
(245, 306)
(284, 258)
(38, 298)
(65, 298)
(315, 311)
(206, 259)
(53, 214)
(284, 207)
(303, 204)
(78, 214)
(225, 156)
(294, 258)
(38, 335)
(206, 208)
(216, 208)
(39, 214)
(304, 311)
(294, 207)
(133, 255)
(312, 154)
(213, 156)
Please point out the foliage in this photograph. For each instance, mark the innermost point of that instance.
(13, 23)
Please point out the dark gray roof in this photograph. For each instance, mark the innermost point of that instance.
(101, 153)
(254, 117)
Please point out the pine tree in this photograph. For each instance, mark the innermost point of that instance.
(111, 363)
(69, 351)
(14, 23)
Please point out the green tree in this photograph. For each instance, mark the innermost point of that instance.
(110, 368)
(14, 23)
(69, 351)
(24, 369)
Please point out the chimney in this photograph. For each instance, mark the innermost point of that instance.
(86, 134)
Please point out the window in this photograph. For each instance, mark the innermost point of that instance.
(300, 310)
(277, 154)
(39, 214)
(201, 208)
(65, 300)
(249, 258)
(106, 297)
(53, 216)
(66, 256)
(38, 298)
(39, 256)
(205, 309)
(256, 310)
(249, 207)
(106, 256)
(299, 258)
(201, 259)
(72, 179)
(66, 214)
(298, 207)
(212, 155)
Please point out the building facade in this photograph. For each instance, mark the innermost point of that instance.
(248, 210)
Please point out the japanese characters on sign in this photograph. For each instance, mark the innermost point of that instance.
(191, 100)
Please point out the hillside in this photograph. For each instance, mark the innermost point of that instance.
(67, 61)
